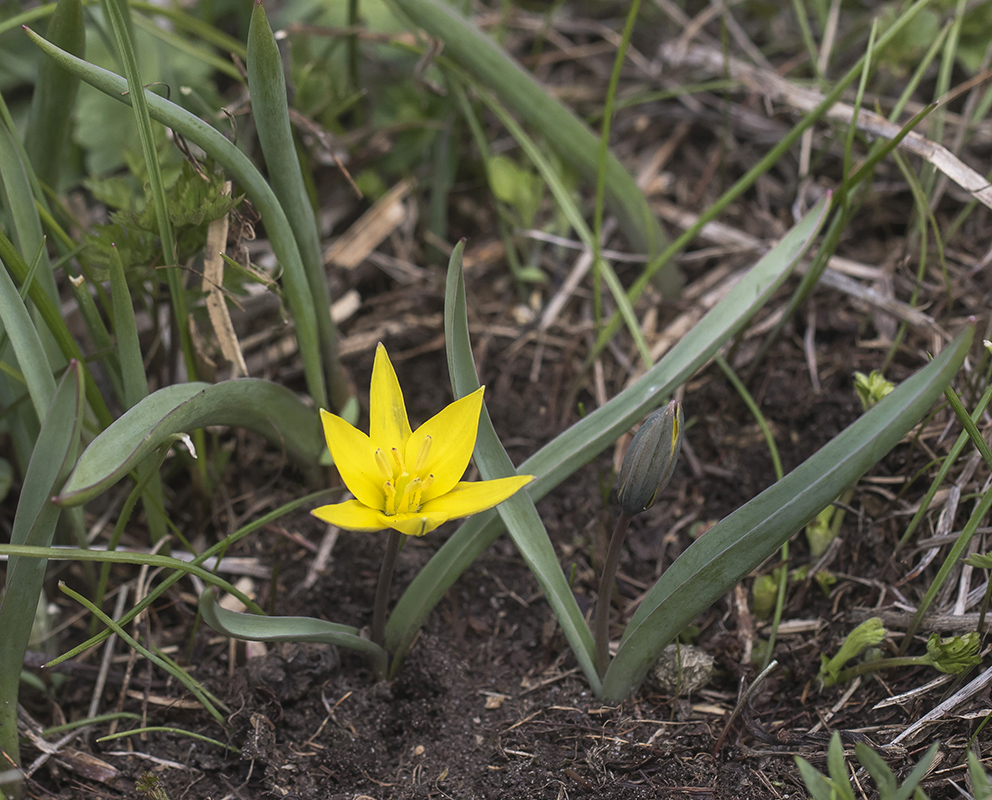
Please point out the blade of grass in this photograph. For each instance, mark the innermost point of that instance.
(52, 316)
(764, 164)
(465, 44)
(135, 390)
(949, 461)
(118, 15)
(574, 216)
(212, 705)
(178, 572)
(602, 160)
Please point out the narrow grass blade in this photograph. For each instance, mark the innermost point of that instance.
(54, 97)
(52, 316)
(726, 553)
(266, 408)
(213, 706)
(491, 65)
(34, 525)
(270, 109)
(118, 14)
(518, 513)
(135, 389)
(573, 215)
(287, 629)
(154, 560)
(273, 216)
(19, 198)
(564, 455)
(180, 568)
(24, 339)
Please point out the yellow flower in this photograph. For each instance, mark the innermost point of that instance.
(408, 480)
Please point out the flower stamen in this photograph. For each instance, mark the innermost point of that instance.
(383, 465)
(425, 449)
(390, 491)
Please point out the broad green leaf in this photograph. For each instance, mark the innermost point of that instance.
(26, 343)
(554, 462)
(54, 96)
(726, 553)
(298, 295)
(518, 513)
(266, 408)
(270, 109)
(490, 64)
(34, 525)
(287, 629)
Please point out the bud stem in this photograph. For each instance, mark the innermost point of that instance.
(382, 589)
(606, 593)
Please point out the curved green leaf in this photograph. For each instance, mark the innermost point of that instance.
(267, 86)
(518, 513)
(266, 408)
(564, 455)
(287, 629)
(34, 525)
(726, 553)
(239, 165)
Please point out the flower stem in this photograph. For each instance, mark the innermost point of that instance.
(382, 590)
(606, 593)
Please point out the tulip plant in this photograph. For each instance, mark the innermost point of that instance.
(70, 447)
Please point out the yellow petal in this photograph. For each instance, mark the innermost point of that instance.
(472, 497)
(415, 524)
(452, 431)
(388, 423)
(351, 515)
(354, 456)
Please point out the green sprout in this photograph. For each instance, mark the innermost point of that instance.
(871, 388)
(952, 655)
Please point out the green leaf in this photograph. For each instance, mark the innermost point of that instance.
(287, 629)
(273, 216)
(267, 85)
(34, 525)
(54, 96)
(736, 545)
(587, 438)
(266, 408)
(518, 513)
(24, 339)
(980, 786)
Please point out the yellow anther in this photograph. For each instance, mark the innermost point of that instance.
(383, 465)
(425, 449)
(397, 460)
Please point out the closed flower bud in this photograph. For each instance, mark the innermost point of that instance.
(650, 460)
